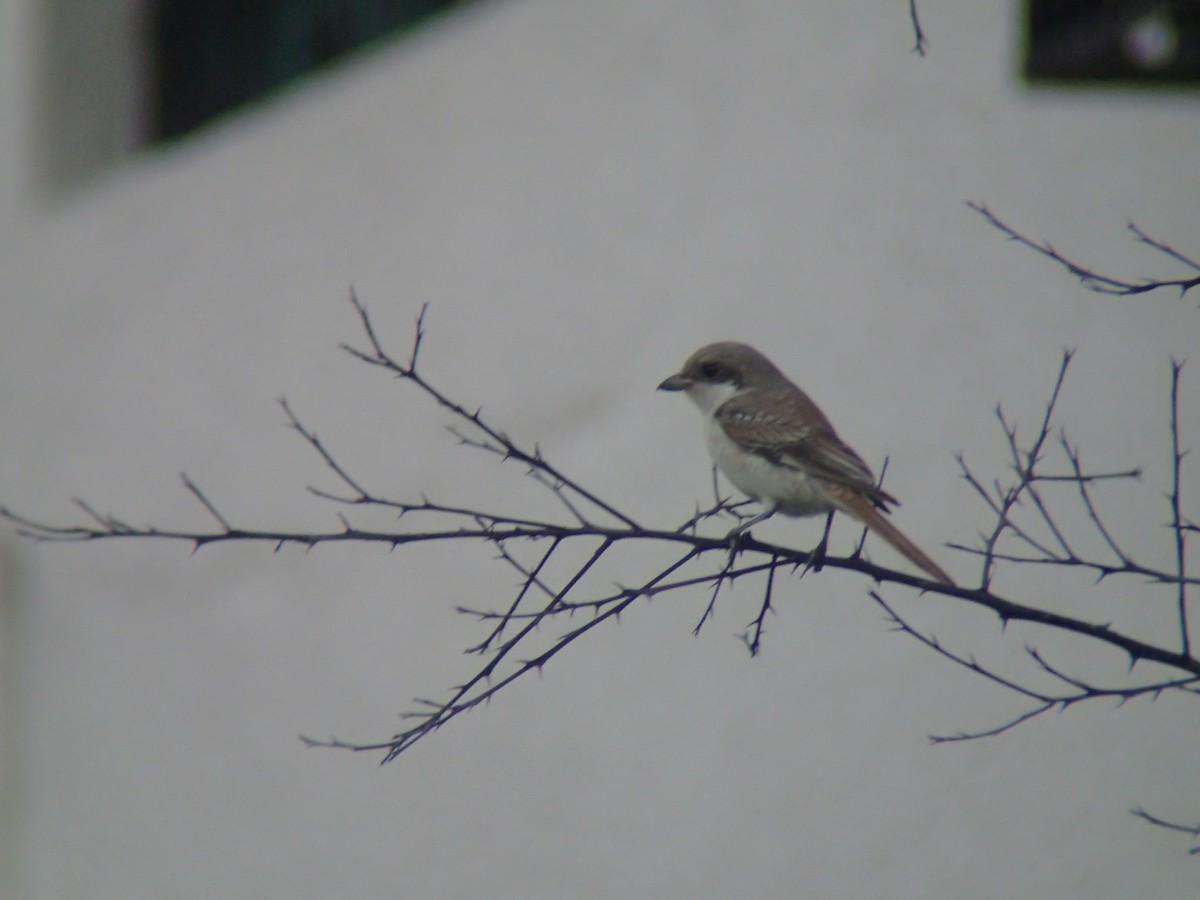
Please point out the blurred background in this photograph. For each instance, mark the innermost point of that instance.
(583, 194)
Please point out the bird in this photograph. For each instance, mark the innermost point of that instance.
(776, 446)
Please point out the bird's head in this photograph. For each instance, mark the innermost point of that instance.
(717, 372)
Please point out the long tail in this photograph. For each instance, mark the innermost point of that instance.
(861, 509)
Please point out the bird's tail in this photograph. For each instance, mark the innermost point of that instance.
(861, 509)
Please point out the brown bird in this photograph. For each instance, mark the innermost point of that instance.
(776, 445)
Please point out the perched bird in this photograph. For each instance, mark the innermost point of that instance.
(776, 445)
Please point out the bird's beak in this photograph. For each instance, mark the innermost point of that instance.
(676, 383)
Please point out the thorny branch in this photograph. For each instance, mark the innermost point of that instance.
(1177, 522)
(1121, 563)
(515, 643)
(1027, 515)
(1096, 281)
(548, 613)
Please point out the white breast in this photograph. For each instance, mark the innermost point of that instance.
(787, 490)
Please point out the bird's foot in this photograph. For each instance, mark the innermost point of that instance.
(816, 559)
(736, 537)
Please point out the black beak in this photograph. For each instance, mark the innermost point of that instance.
(676, 383)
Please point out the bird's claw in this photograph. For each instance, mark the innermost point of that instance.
(736, 537)
(816, 559)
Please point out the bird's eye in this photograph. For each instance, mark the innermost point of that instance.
(711, 371)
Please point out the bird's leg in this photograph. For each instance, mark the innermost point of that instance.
(816, 559)
(745, 527)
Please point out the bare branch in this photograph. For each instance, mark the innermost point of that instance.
(499, 442)
(1007, 499)
(1193, 830)
(1176, 514)
(1044, 702)
(204, 501)
(360, 495)
(754, 632)
(1095, 281)
(1082, 481)
(542, 618)
(1162, 248)
(918, 34)
(532, 580)
(718, 583)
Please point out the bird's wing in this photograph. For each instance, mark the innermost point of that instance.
(786, 427)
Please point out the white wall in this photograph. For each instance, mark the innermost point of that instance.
(583, 194)
(15, 108)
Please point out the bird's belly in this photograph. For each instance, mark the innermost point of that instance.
(790, 491)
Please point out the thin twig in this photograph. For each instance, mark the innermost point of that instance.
(918, 34)
(754, 632)
(1193, 830)
(1095, 281)
(1176, 513)
(379, 357)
